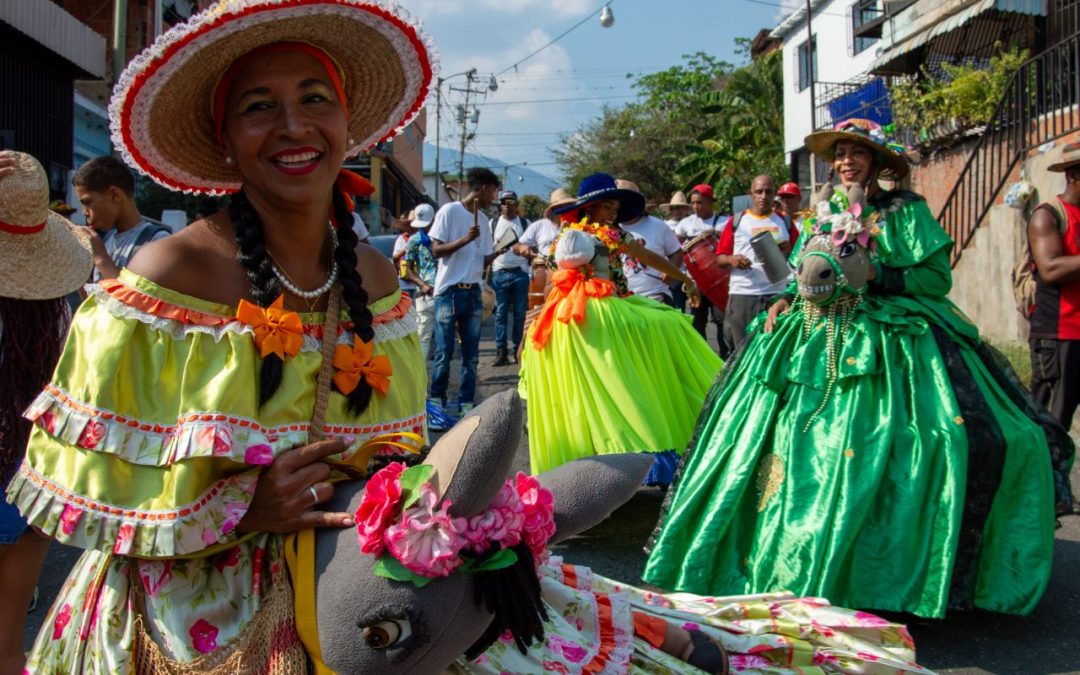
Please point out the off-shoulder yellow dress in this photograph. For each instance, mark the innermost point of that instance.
(146, 449)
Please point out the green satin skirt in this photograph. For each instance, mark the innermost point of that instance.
(922, 481)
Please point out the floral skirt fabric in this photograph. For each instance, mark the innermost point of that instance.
(192, 605)
(591, 630)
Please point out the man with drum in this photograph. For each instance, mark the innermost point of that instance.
(536, 243)
(703, 221)
(750, 288)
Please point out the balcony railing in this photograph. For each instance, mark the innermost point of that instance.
(1041, 104)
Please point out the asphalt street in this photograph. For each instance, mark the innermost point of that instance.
(970, 643)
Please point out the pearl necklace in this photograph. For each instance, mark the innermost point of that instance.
(317, 292)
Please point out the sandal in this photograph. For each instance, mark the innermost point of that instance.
(707, 655)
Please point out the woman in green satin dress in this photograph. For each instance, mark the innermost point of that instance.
(927, 480)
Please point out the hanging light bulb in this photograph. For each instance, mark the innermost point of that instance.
(607, 18)
(493, 84)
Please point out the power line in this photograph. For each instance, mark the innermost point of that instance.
(556, 39)
(559, 100)
(792, 9)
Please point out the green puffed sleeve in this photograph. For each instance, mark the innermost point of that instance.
(913, 248)
(149, 439)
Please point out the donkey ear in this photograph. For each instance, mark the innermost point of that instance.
(824, 194)
(473, 459)
(856, 195)
(587, 490)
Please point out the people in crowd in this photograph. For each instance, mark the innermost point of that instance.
(105, 187)
(461, 241)
(704, 219)
(185, 433)
(750, 290)
(360, 228)
(865, 445)
(510, 279)
(1054, 241)
(677, 209)
(535, 243)
(790, 197)
(654, 235)
(403, 226)
(599, 360)
(420, 269)
(45, 258)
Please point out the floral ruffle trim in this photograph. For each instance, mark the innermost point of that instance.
(612, 616)
(78, 521)
(126, 302)
(205, 434)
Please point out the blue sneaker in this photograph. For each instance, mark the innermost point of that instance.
(465, 408)
(438, 418)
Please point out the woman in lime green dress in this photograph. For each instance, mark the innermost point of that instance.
(605, 371)
(177, 442)
(915, 475)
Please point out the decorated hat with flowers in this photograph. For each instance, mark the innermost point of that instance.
(890, 155)
(162, 112)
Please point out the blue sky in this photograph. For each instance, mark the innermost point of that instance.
(588, 66)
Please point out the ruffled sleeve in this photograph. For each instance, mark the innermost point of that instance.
(914, 248)
(149, 439)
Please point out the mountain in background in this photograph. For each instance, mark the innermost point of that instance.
(532, 183)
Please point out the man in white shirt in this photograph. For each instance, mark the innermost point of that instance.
(702, 220)
(461, 241)
(750, 288)
(510, 279)
(677, 209)
(653, 234)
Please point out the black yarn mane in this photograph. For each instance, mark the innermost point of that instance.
(512, 594)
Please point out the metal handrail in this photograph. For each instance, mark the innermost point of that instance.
(1041, 104)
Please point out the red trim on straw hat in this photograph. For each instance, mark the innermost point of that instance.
(12, 228)
(142, 77)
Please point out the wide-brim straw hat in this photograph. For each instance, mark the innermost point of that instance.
(891, 159)
(677, 199)
(161, 109)
(559, 197)
(1070, 156)
(44, 254)
(601, 186)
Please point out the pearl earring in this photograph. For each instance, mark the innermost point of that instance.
(352, 142)
(228, 160)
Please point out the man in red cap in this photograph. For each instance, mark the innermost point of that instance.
(703, 220)
(790, 196)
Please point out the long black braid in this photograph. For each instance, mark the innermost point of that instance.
(265, 287)
(352, 292)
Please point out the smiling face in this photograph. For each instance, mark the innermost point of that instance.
(605, 212)
(285, 128)
(853, 163)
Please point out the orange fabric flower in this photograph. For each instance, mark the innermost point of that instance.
(358, 361)
(569, 293)
(277, 330)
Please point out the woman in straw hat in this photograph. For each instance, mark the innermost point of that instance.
(605, 371)
(45, 257)
(179, 439)
(884, 459)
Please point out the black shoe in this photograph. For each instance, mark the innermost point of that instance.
(501, 357)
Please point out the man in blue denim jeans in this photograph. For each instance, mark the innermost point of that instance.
(462, 243)
(510, 279)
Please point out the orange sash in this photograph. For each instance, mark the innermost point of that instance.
(569, 293)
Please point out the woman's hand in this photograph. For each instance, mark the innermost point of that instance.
(287, 493)
(693, 294)
(7, 163)
(779, 307)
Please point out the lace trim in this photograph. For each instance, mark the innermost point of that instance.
(386, 331)
(77, 520)
(195, 434)
(149, 73)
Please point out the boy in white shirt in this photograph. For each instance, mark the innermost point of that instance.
(510, 279)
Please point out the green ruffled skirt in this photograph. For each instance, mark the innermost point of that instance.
(923, 480)
(631, 377)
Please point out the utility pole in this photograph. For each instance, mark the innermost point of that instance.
(438, 128)
(464, 117)
(810, 54)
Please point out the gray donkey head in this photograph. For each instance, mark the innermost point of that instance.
(371, 624)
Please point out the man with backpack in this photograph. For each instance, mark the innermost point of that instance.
(1054, 242)
(106, 190)
(750, 288)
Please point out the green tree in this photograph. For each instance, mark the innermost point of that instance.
(703, 121)
(532, 207)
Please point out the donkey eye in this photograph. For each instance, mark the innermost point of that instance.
(847, 249)
(385, 634)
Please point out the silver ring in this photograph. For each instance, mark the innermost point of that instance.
(314, 494)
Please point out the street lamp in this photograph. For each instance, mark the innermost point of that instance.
(607, 17)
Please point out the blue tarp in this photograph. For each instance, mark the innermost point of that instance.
(871, 102)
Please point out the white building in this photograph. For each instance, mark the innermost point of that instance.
(839, 60)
